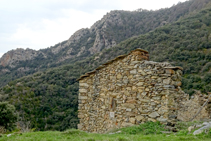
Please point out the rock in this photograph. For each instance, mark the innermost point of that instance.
(82, 97)
(118, 132)
(170, 71)
(205, 123)
(13, 57)
(128, 105)
(144, 100)
(142, 72)
(119, 76)
(133, 71)
(166, 132)
(79, 126)
(9, 135)
(191, 128)
(153, 103)
(154, 115)
(154, 77)
(156, 98)
(83, 85)
(147, 89)
(131, 101)
(139, 118)
(162, 119)
(208, 126)
(128, 110)
(149, 72)
(169, 87)
(134, 88)
(151, 119)
(140, 84)
(125, 81)
(167, 81)
(132, 120)
(126, 124)
(83, 90)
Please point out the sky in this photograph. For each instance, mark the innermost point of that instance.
(38, 24)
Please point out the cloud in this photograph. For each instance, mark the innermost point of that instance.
(42, 23)
(147, 4)
(1, 54)
(49, 32)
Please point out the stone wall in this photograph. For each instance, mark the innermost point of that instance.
(129, 90)
(189, 108)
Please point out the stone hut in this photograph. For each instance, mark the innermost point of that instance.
(129, 90)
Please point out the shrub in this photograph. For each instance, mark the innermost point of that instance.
(145, 129)
(8, 116)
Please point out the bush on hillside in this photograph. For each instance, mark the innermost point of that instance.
(7, 115)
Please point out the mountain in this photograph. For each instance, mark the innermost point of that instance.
(114, 27)
(47, 99)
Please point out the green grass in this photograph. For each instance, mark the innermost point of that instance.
(144, 129)
(60, 136)
(144, 132)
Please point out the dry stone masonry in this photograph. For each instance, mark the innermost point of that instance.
(129, 90)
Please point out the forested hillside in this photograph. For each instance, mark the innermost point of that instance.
(48, 99)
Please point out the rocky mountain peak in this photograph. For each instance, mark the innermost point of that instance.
(12, 57)
(73, 39)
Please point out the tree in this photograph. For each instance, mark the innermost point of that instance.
(8, 116)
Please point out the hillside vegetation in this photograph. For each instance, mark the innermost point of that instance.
(48, 100)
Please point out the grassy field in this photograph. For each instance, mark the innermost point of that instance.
(146, 132)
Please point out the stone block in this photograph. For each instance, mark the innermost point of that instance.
(154, 77)
(114, 94)
(128, 110)
(144, 111)
(149, 72)
(147, 89)
(142, 72)
(128, 88)
(80, 116)
(140, 84)
(83, 85)
(145, 100)
(82, 97)
(162, 119)
(80, 126)
(170, 71)
(156, 97)
(133, 71)
(126, 124)
(151, 119)
(131, 101)
(134, 62)
(154, 115)
(140, 90)
(132, 120)
(112, 72)
(167, 81)
(134, 88)
(139, 118)
(83, 90)
(119, 76)
(128, 105)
